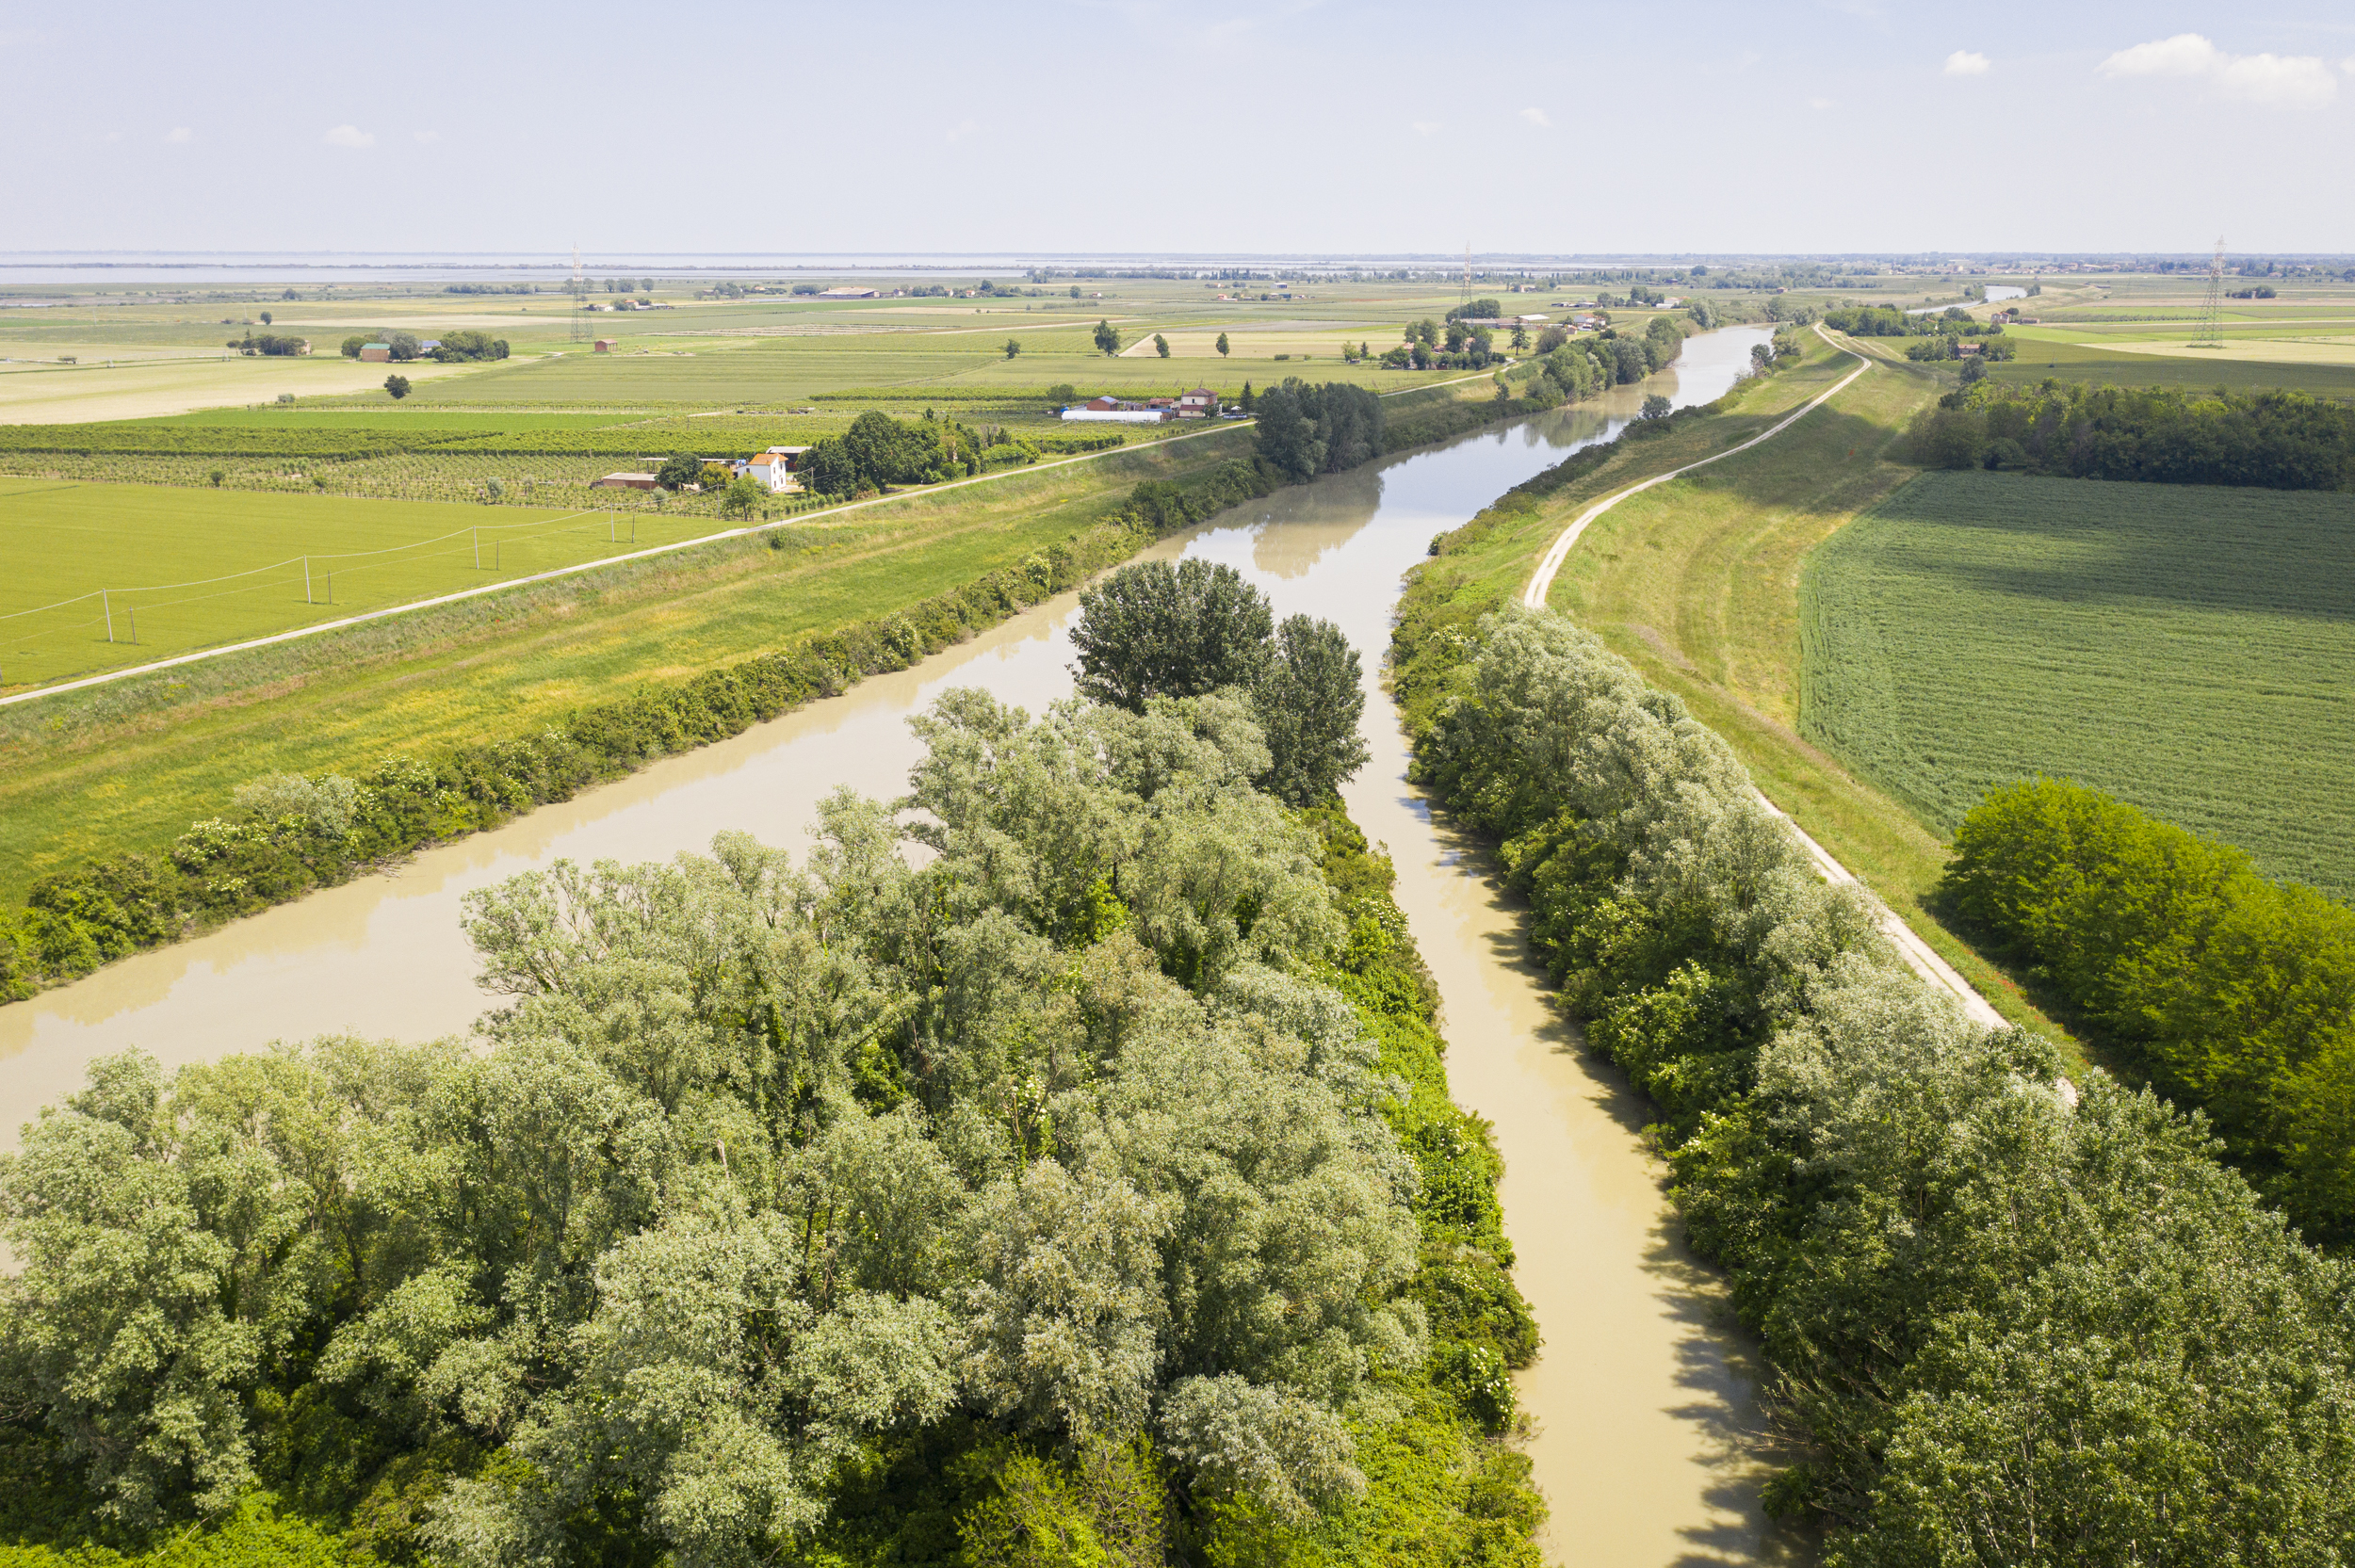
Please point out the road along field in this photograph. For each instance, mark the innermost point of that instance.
(2190, 650)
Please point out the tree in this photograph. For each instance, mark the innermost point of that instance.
(403, 345)
(744, 496)
(1521, 336)
(1155, 629)
(398, 385)
(828, 468)
(1075, 291)
(265, 318)
(1550, 338)
(1106, 339)
(645, 285)
(1160, 345)
(217, 475)
(1656, 407)
(1246, 398)
(1013, 347)
(1286, 435)
(1309, 699)
(1222, 346)
(679, 470)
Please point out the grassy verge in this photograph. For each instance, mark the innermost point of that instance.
(1697, 582)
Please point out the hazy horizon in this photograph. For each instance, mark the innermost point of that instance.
(1327, 130)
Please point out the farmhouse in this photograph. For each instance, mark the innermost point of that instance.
(775, 466)
(376, 353)
(1198, 404)
(623, 481)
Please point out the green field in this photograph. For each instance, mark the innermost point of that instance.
(2189, 649)
(186, 569)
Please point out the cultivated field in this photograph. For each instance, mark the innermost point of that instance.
(2189, 649)
(108, 576)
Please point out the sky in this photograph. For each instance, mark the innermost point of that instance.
(1178, 127)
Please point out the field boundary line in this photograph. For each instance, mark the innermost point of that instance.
(1919, 955)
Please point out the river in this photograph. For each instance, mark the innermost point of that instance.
(1642, 1400)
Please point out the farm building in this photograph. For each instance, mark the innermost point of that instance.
(376, 353)
(1110, 409)
(1198, 404)
(623, 481)
(603, 346)
(775, 467)
(846, 294)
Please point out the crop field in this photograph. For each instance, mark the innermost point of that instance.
(93, 568)
(2190, 650)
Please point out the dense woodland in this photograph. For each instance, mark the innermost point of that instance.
(2011, 1318)
(1089, 1195)
(2161, 435)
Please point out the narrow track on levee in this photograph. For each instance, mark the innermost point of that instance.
(1918, 953)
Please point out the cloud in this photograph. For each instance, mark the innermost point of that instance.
(1538, 118)
(426, 136)
(349, 136)
(1424, 127)
(2281, 81)
(1819, 103)
(962, 129)
(1964, 62)
(179, 135)
(2184, 54)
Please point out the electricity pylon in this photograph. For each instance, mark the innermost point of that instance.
(2212, 317)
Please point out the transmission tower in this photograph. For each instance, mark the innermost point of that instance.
(580, 299)
(1463, 295)
(2212, 317)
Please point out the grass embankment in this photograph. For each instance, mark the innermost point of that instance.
(1697, 583)
(128, 767)
(2185, 648)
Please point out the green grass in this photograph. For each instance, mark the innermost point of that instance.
(2189, 649)
(195, 568)
(398, 418)
(129, 767)
(2072, 362)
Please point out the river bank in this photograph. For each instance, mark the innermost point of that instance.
(1641, 1402)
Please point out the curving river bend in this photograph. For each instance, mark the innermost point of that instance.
(1642, 1400)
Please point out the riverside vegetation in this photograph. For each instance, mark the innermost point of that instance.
(2014, 1320)
(1089, 1195)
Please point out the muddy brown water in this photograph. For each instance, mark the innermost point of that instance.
(1645, 1428)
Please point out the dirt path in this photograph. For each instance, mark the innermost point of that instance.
(1925, 959)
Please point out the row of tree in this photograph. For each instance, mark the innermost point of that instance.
(879, 451)
(2014, 1320)
(1089, 1195)
(2276, 440)
(2234, 993)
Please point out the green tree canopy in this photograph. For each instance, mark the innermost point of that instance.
(1107, 338)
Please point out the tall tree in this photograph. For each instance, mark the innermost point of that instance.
(1106, 339)
(1222, 346)
(1160, 630)
(1309, 699)
(1160, 345)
